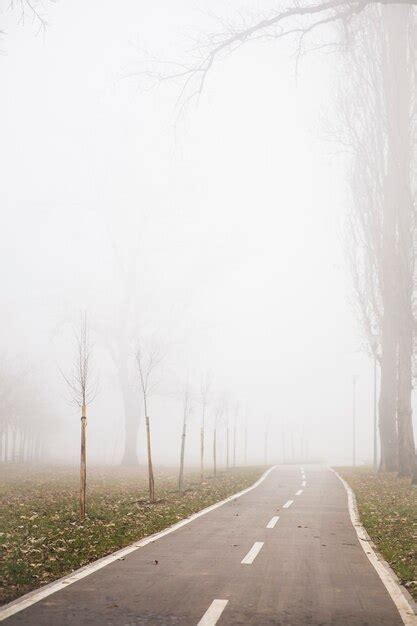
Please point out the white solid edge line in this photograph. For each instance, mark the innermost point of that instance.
(211, 616)
(39, 594)
(253, 553)
(288, 504)
(272, 521)
(386, 574)
(299, 492)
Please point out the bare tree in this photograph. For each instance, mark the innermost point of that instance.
(186, 410)
(30, 11)
(204, 395)
(119, 337)
(27, 435)
(120, 350)
(396, 260)
(148, 361)
(400, 90)
(371, 224)
(297, 22)
(379, 127)
(83, 391)
(8, 383)
(217, 415)
(396, 254)
(236, 416)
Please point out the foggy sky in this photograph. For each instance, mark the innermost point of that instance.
(236, 207)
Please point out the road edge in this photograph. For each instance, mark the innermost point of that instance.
(405, 604)
(27, 600)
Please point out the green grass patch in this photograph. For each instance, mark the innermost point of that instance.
(388, 510)
(42, 538)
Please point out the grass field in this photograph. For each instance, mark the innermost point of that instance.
(43, 539)
(388, 510)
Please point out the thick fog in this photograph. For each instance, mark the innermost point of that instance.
(214, 228)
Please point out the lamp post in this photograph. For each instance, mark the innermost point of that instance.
(354, 380)
(375, 407)
(267, 422)
(246, 440)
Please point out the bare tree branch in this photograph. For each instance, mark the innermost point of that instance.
(215, 46)
(82, 387)
(33, 10)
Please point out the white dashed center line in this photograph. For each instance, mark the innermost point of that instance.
(303, 484)
(299, 492)
(272, 522)
(213, 613)
(253, 553)
(288, 504)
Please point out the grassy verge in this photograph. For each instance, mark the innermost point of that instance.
(42, 539)
(388, 510)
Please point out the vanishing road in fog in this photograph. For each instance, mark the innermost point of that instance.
(285, 552)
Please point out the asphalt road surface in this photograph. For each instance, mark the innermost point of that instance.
(284, 553)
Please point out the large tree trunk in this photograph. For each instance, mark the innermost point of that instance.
(389, 274)
(131, 419)
(406, 447)
(398, 197)
(388, 390)
(400, 21)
